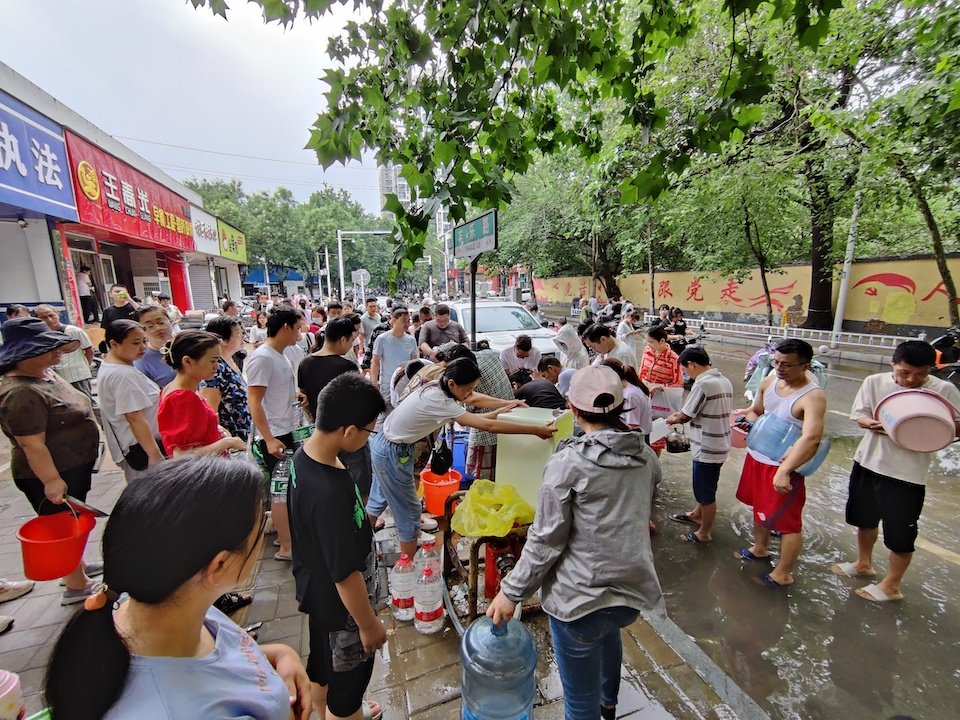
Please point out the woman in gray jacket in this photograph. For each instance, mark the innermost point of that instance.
(589, 546)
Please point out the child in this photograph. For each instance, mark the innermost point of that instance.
(589, 546)
(333, 561)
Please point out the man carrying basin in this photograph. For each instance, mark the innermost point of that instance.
(770, 485)
(888, 479)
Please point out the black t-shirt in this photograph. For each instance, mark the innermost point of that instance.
(332, 538)
(315, 372)
(113, 313)
(541, 394)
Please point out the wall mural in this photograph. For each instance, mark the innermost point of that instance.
(903, 292)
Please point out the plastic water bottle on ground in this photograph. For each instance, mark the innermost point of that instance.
(403, 582)
(497, 664)
(428, 603)
(427, 555)
(280, 479)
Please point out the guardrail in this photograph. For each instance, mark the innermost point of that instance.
(848, 340)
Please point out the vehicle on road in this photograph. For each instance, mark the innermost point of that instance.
(501, 322)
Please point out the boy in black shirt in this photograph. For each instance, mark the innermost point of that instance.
(334, 562)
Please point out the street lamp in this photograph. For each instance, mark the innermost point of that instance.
(340, 234)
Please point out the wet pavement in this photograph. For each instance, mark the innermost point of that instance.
(816, 649)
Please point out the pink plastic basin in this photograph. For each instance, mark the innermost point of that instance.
(917, 420)
(738, 438)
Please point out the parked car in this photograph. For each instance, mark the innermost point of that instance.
(500, 322)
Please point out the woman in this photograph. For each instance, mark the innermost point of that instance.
(186, 422)
(636, 400)
(677, 331)
(588, 592)
(258, 332)
(573, 354)
(226, 391)
(627, 333)
(128, 400)
(659, 369)
(159, 330)
(165, 652)
(53, 435)
(422, 412)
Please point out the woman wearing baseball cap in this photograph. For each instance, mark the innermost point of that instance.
(589, 546)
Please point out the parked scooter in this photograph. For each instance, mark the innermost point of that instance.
(762, 367)
(948, 356)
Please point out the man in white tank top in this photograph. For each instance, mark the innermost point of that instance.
(769, 485)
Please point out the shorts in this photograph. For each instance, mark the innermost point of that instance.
(265, 460)
(78, 481)
(771, 509)
(482, 461)
(897, 503)
(345, 688)
(394, 486)
(706, 477)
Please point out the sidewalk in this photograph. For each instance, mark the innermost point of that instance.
(415, 675)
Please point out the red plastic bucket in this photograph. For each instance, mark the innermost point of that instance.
(52, 545)
(437, 488)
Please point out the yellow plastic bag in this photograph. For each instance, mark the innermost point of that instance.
(490, 508)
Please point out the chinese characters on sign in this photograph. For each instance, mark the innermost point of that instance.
(694, 290)
(475, 236)
(233, 243)
(205, 238)
(664, 291)
(33, 162)
(115, 196)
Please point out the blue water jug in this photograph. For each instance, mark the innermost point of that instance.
(774, 437)
(497, 671)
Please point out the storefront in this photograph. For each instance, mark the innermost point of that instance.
(233, 254)
(201, 262)
(35, 192)
(130, 229)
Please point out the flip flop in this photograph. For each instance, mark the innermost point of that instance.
(745, 554)
(684, 518)
(766, 581)
(692, 537)
(873, 593)
(232, 601)
(371, 710)
(849, 569)
(283, 558)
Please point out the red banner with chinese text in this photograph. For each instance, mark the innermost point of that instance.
(112, 195)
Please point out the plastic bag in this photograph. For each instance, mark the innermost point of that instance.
(490, 508)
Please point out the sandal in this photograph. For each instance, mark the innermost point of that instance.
(371, 710)
(230, 602)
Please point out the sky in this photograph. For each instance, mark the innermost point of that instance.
(172, 83)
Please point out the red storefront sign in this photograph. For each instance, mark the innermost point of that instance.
(114, 196)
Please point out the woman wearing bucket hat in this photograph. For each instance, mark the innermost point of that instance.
(51, 427)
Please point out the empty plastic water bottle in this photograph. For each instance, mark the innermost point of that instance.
(403, 582)
(428, 603)
(280, 479)
(427, 555)
(497, 664)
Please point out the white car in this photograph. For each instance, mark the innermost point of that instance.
(500, 322)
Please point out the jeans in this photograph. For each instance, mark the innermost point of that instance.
(394, 486)
(589, 653)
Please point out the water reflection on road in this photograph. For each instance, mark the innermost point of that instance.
(816, 649)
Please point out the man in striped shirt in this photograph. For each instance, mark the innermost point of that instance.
(707, 409)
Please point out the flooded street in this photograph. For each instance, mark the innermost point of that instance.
(816, 649)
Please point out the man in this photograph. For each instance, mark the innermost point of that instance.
(74, 366)
(542, 392)
(888, 481)
(771, 485)
(521, 356)
(708, 410)
(535, 311)
(440, 330)
(601, 340)
(122, 308)
(334, 310)
(88, 303)
(172, 311)
(272, 397)
(229, 309)
(369, 321)
(424, 315)
(391, 350)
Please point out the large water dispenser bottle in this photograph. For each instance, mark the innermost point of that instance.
(497, 671)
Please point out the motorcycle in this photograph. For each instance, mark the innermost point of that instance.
(948, 356)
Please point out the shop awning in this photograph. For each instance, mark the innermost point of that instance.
(254, 276)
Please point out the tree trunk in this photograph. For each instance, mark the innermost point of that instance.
(757, 249)
(822, 213)
(941, 257)
(651, 271)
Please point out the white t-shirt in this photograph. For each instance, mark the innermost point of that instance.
(234, 681)
(636, 409)
(622, 352)
(295, 355)
(73, 366)
(420, 413)
(269, 369)
(123, 389)
(511, 363)
(876, 451)
(83, 284)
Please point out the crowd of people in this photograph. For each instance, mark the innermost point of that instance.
(371, 390)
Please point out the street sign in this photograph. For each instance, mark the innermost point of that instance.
(360, 277)
(475, 236)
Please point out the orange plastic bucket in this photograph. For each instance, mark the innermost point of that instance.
(52, 545)
(437, 488)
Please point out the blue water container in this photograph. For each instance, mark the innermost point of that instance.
(497, 671)
(774, 437)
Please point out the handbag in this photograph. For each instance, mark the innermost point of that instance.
(135, 456)
(441, 459)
